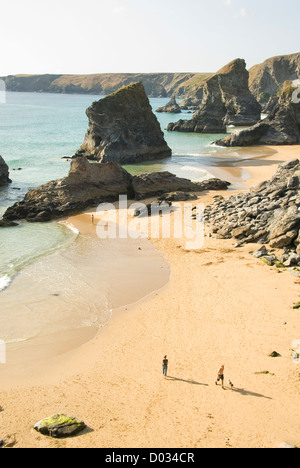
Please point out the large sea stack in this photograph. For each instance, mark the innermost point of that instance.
(122, 128)
(4, 172)
(281, 127)
(226, 100)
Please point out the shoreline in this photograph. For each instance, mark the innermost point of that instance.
(215, 310)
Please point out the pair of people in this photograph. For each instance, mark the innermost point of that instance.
(220, 376)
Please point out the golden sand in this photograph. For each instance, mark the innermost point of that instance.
(221, 306)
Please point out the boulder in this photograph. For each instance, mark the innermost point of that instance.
(171, 107)
(4, 172)
(122, 128)
(60, 426)
(226, 100)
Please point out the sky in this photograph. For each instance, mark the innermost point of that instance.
(146, 36)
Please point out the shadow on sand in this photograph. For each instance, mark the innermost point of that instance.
(242, 391)
(193, 382)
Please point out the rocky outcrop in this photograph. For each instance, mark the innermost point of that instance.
(156, 184)
(269, 214)
(122, 128)
(171, 107)
(267, 78)
(4, 172)
(281, 127)
(89, 184)
(226, 100)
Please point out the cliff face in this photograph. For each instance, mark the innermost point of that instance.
(4, 172)
(156, 84)
(123, 128)
(225, 100)
(281, 127)
(267, 78)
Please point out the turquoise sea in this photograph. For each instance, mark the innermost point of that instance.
(36, 132)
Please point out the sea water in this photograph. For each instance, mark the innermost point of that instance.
(37, 131)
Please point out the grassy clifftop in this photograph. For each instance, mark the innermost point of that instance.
(156, 84)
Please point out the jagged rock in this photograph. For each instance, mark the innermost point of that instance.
(4, 172)
(89, 184)
(226, 100)
(60, 426)
(270, 106)
(262, 252)
(159, 183)
(171, 107)
(269, 214)
(122, 128)
(281, 127)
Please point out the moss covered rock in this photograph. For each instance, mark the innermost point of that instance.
(59, 426)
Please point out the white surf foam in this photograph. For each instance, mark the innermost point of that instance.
(4, 282)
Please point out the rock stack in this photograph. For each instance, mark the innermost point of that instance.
(171, 107)
(123, 129)
(281, 127)
(226, 100)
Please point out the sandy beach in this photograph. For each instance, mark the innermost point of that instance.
(220, 306)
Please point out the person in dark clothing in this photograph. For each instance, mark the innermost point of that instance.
(165, 366)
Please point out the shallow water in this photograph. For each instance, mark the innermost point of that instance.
(51, 278)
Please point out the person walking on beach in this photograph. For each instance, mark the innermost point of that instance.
(93, 219)
(220, 376)
(165, 366)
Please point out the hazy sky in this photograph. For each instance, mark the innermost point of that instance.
(99, 36)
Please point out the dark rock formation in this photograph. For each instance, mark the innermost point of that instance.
(86, 185)
(89, 184)
(226, 100)
(123, 129)
(269, 214)
(171, 107)
(4, 172)
(157, 184)
(267, 79)
(281, 127)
